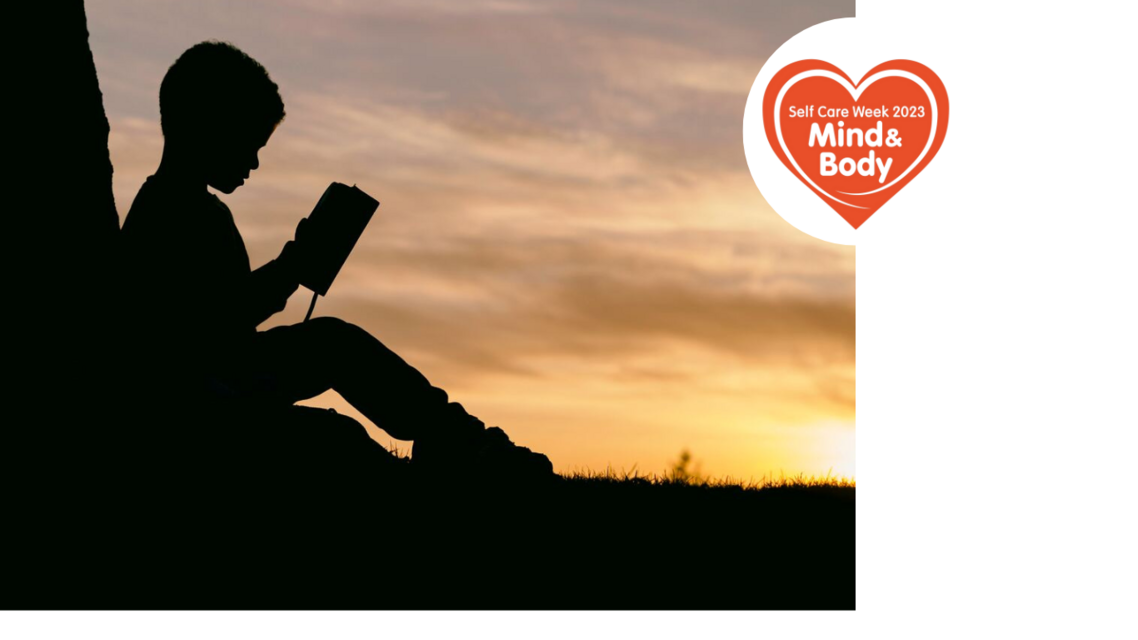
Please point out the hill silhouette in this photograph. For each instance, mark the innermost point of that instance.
(120, 500)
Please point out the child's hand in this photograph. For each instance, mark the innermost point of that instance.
(300, 232)
(290, 260)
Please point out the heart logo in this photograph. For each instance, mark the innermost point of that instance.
(855, 145)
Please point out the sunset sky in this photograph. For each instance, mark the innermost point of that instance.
(569, 240)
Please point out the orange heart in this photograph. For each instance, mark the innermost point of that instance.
(855, 145)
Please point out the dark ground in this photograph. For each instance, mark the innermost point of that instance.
(402, 542)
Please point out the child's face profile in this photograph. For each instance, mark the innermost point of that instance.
(230, 157)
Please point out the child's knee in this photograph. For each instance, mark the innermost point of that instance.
(335, 330)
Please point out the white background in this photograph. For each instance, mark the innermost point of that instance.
(996, 357)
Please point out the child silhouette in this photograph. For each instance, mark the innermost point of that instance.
(194, 303)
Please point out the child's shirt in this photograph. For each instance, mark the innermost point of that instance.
(191, 297)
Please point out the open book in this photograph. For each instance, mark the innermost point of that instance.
(331, 232)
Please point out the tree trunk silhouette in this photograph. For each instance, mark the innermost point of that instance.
(61, 240)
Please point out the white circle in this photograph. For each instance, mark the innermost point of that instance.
(855, 46)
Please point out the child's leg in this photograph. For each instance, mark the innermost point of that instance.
(306, 359)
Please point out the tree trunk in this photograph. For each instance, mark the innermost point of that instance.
(61, 240)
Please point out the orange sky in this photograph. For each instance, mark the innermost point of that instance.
(569, 240)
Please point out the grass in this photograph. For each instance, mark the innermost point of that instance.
(676, 477)
(681, 475)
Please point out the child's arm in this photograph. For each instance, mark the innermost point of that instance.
(271, 285)
(269, 289)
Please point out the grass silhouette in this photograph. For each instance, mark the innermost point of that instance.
(679, 478)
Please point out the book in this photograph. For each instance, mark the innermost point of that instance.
(331, 232)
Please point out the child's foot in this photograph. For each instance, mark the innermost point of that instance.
(500, 457)
(465, 445)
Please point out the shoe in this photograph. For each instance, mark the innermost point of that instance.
(499, 456)
(468, 448)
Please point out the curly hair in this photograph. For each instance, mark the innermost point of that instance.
(211, 84)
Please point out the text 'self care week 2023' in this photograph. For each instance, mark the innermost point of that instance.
(855, 145)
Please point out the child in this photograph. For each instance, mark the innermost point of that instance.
(194, 303)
